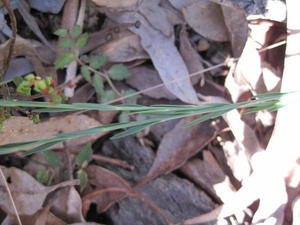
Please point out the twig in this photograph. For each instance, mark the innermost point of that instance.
(6, 4)
(10, 196)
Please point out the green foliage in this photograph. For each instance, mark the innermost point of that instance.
(52, 158)
(4, 115)
(82, 40)
(65, 43)
(75, 31)
(61, 32)
(64, 59)
(96, 62)
(83, 178)
(43, 176)
(84, 156)
(118, 72)
(82, 160)
(45, 86)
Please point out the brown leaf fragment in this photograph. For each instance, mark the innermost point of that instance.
(67, 205)
(159, 44)
(190, 56)
(19, 129)
(104, 179)
(28, 194)
(143, 77)
(179, 145)
(206, 18)
(125, 48)
(209, 176)
(237, 26)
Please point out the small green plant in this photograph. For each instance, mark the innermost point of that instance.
(94, 69)
(46, 87)
(4, 115)
(82, 160)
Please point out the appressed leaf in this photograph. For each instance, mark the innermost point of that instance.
(75, 31)
(84, 156)
(83, 178)
(96, 62)
(51, 157)
(64, 59)
(82, 40)
(118, 72)
(65, 43)
(98, 84)
(107, 96)
(86, 73)
(61, 32)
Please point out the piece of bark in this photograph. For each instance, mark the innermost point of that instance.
(177, 197)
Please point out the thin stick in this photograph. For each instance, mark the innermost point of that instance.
(10, 196)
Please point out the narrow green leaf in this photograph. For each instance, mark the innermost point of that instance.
(118, 72)
(86, 73)
(206, 117)
(64, 59)
(96, 62)
(82, 40)
(83, 178)
(75, 31)
(61, 32)
(84, 156)
(65, 43)
(98, 84)
(52, 158)
(132, 130)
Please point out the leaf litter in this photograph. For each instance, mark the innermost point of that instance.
(157, 41)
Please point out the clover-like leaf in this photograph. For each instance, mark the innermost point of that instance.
(98, 83)
(82, 40)
(75, 31)
(51, 157)
(96, 62)
(65, 43)
(118, 72)
(64, 59)
(61, 32)
(86, 73)
(107, 96)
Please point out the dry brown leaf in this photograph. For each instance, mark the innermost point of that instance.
(143, 77)
(237, 27)
(157, 38)
(206, 18)
(20, 129)
(23, 47)
(190, 56)
(209, 176)
(102, 179)
(124, 48)
(116, 3)
(179, 145)
(28, 194)
(67, 205)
